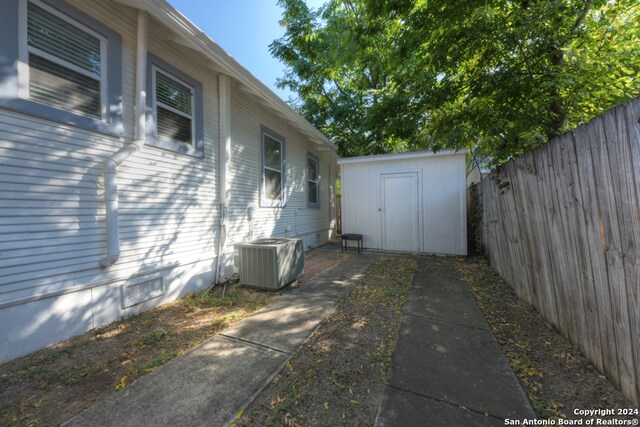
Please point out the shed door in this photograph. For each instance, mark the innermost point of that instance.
(400, 212)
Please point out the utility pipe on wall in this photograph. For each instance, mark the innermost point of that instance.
(224, 95)
(111, 164)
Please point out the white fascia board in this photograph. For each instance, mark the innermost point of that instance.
(181, 25)
(401, 156)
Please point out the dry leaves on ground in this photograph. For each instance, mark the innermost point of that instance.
(337, 377)
(552, 371)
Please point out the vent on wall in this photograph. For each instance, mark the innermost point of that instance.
(141, 290)
(270, 263)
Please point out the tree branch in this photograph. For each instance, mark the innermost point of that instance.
(583, 15)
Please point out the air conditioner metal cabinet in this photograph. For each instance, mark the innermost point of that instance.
(270, 263)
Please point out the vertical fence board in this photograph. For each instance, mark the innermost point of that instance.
(584, 139)
(517, 240)
(573, 217)
(590, 335)
(544, 189)
(616, 139)
(546, 298)
(631, 119)
(562, 225)
(519, 184)
(527, 178)
(571, 276)
(561, 252)
(610, 234)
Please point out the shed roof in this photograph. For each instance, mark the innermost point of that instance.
(401, 156)
(189, 35)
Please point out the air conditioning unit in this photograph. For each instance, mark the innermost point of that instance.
(270, 263)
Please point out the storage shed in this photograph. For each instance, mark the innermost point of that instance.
(409, 202)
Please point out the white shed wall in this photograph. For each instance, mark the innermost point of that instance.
(442, 186)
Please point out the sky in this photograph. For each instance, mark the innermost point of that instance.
(245, 29)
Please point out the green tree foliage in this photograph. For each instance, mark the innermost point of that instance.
(338, 64)
(498, 77)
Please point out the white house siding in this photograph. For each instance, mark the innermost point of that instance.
(52, 217)
(295, 219)
(443, 200)
(52, 213)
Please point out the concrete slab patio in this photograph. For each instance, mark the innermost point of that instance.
(447, 367)
(211, 383)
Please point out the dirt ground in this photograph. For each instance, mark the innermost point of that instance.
(337, 377)
(52, 385)
(552, 371)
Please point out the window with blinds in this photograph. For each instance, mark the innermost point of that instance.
(272, 169)
(65, 62)
(174, 108)
(312, 180)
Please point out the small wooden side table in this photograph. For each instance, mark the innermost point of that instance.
(345, 240)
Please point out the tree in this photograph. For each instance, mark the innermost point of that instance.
(338, 65)
(499, 77)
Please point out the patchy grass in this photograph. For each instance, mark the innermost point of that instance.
(552, 371)
(209, 300)
(52, 385)
(338, 375)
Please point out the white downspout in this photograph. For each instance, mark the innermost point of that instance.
(224, 87)
(111, 164)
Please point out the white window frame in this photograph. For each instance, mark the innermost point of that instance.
(314, 158)
(154, 70)
(264, 200)
(24, 49)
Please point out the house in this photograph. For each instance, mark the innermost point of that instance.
(407, 202)
(134, 153)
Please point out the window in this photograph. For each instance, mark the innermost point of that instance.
(272, 169)
(173, 108)
(175, 118)
(60, 64)
(313, 177)
(65, 63)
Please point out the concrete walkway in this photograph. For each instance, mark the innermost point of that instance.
(211, 383)
(447, 367)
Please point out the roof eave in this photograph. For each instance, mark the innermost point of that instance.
(181, 25)
(400, 156)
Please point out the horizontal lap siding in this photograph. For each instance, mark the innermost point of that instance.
(52, 217)
(247, 115)
(52, 213)
(39, 222)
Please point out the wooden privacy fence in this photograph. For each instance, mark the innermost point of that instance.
(562, 225)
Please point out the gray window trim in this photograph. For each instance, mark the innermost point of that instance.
(197, 148)
(264, 202)
(9, 46)
(312, 156)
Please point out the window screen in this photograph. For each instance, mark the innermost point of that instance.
(312, 180)
(65, 68)
(272, 173)
(174, 109)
